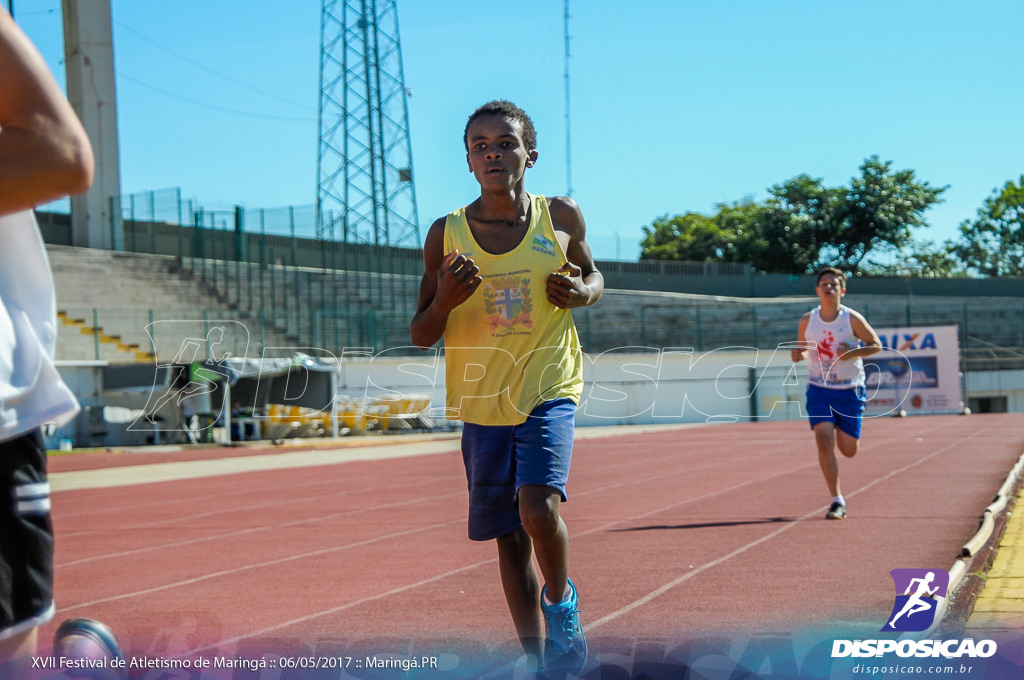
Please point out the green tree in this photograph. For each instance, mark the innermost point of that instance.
(882, 207)
(923, 259)
(729, 235)
(738, 224)
(693, 237)
(803, 224)
(992, 244)
(802, 216)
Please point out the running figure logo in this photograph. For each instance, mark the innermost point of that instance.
(922, 591)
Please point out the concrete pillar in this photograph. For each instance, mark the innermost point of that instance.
(89, 64)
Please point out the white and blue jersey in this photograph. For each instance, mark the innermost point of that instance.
(835, 388)
(825, 369)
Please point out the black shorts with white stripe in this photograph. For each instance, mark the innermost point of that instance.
(26, 536)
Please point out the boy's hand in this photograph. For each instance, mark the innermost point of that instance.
(798, 349)
(458, 277)
(566, 288)
(843, 350)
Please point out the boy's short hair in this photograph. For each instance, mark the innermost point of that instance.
(835, 272)
(502, 107)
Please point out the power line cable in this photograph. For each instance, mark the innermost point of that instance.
(206, 68)
(22, 15)
(237, 112)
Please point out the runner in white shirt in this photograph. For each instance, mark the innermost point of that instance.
(835, 339)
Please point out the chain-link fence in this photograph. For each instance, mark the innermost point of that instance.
(333, 290)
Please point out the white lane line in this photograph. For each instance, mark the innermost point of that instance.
(661, 590)
(243, 532)
(259, 565)
(339, 608)
(149, 473)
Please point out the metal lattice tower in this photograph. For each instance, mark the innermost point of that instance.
(364, 160)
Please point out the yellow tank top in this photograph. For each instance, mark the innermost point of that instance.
(507, 349)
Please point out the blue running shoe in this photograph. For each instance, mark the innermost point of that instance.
(92, 641)
(565, 647)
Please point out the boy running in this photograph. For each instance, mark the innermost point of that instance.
(500, 277)
(835, 338)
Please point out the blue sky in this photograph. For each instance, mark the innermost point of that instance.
(676, 105)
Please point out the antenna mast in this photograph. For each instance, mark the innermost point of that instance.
(568, 134)
(364, 160)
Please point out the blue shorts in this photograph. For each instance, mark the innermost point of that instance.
(844, 407)
(502, 458)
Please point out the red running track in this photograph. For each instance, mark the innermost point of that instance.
(676, 534)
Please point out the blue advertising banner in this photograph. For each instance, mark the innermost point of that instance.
(917, 372)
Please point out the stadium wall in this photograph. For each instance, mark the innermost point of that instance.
(621, 388)
(703, 278)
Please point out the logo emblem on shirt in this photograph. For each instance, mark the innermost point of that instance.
(507, 302)
(827, 346)
(543, 244)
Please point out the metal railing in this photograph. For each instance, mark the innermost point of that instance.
(269, 267)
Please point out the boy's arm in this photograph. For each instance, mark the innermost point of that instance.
(866, 334)
(44, 151)
(448, 281)
(577, 283)
(799, 353)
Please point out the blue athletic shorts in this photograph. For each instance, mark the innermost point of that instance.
(502, 458)
(844, 407)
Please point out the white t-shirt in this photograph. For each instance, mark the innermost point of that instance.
(824, 367)
(31, 390)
